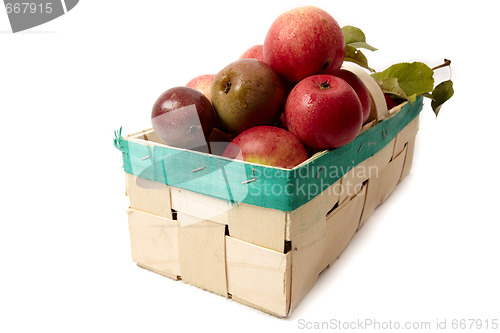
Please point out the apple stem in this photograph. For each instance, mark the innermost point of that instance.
(228, 87)
(447, 62)
(324, 85)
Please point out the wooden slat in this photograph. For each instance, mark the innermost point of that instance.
(258, 276)
(410, 149)
(258, 225)
(302, 218)
(352, 181)
(341, 226)
(142, 138)
(148, 196)
(380, 187)
(200, 206)
(307, 252)
(322, 244)
(160, 272)
(153, 242)
(202, 256)
(407, 134)
(139, 135)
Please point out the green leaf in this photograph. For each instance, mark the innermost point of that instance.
(363, 45)
(391, 86)
(356, 38)
(354, 55)
(413, 78)
(440, 94)
(353, 34)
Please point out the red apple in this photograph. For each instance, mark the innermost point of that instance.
(183, 117)
(247, 93)
(323, 111)
(267, 145)
(361, 90)
(202, 83)
(254, 52)
(304, 41)
(390, 102)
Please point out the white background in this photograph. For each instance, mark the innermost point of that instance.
(431, 251)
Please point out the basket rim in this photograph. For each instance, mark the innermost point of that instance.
(141, 154)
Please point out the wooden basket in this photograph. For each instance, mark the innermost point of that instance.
(266, 255)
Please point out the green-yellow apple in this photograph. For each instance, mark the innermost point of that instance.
(267, 145)
(324, 112)
(247, 93)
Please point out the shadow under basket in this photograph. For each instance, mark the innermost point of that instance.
(257, 234)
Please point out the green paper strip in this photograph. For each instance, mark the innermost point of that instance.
(259, 185)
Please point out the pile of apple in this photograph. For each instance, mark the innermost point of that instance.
(276, 103)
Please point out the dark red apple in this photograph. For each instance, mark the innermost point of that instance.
(247, 93)
(267, 145)
(304, 41)
(183, 117)
(323, 111)
(390, 102)
(254, 52)
(202, 83)
(361, 90)
(219, 136)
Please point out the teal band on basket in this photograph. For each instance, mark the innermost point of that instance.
(236, 181)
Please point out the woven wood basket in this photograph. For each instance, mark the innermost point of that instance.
(209, 222)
